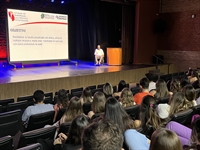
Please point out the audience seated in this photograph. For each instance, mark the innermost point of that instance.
(175, 86)
(73, 140)
(98, 105)
(161, 90)
(38, 108)
(148, 116)
(126, 98)
(115, 112)
(135, 140)
(184, 81)
(163, 139)
(108, 90)
(194, 79)
(62, 101)
(121, 86)
(144, 85)
(190, 95)
(152, 84)
(86, 96)
(102, 135)
(74, 109)
(176, 104)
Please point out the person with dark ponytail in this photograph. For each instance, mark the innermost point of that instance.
(148, 115)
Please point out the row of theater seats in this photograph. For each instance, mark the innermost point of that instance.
(30, 137)
(11, 121)
(25, 101)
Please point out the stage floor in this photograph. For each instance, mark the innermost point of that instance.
(52, 71)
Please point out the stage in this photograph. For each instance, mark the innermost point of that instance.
(51, 78)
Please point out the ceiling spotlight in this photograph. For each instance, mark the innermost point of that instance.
(52, 1)
(62, 2)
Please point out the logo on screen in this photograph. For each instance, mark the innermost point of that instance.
(11, 15)
(42, 16)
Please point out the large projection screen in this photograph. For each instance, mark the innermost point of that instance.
(37, 36)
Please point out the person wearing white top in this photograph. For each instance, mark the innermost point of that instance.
(99, 55)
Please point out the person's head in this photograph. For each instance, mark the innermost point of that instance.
(149, 76)
(164, 139)
(102, 135)
(144, 83)
(121, 85)
(161, 89)
(114, 111)
(184, 82)
(189, 92)
(98, 103)
(98, 46)
(74, 109)
(177, 103)
(63, 98)
(127, 97)
(195, 74)
(195, 136)
(76, 129)
(108, 89)
(87, 95)
(38, 96)
(175, 86)
(148, 115)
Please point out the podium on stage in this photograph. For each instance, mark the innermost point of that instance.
(114, 56)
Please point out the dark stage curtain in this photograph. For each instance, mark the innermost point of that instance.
(90, 31)
(128, 22)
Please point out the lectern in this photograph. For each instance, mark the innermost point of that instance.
(114, 56)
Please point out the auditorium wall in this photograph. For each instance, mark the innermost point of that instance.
(145, 45)
(180, 41)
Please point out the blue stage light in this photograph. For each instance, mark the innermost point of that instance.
(62, 2)
(52, 1)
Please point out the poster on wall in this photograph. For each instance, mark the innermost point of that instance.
(37, 36)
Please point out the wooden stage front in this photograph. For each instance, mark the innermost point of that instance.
(24, 81)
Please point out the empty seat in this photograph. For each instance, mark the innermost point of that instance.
(133, 111)
(56, 93)
(6, 143)
(182, 117)
(36, 146)
(97, 90)
(100, 86)
(92, 87)
(86, 108)
(76, 90)
(166, 77)
(5, 102)
(135, 90)
(10, 123)
(1, 109)
(31, 137)
(60, 114)
(40, 120)
(78, 94)
(163, 100)
(64, 128)
(48, 98)
(22, 105)
(28, 98)
(114, 89)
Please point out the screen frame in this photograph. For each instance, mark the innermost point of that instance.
(33, 61)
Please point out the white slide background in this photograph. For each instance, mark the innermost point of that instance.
(37, 36)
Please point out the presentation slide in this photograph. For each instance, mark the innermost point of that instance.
(37, 36)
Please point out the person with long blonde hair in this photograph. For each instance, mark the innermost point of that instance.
(126, 98)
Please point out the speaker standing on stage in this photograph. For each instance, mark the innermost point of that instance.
(99, 55)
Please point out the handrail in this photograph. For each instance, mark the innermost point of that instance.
(157, 58)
